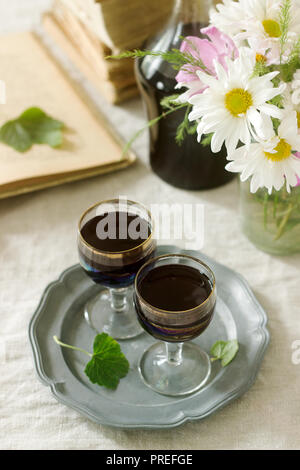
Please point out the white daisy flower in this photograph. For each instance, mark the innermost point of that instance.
(232, 16)
(258, 22)
(270, 163)
(291, 102)
(227, 16)
(262, 29)
(235, 106)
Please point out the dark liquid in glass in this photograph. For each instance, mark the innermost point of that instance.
(126, 232)
(115, 231)
(191, 165)
(174, 288)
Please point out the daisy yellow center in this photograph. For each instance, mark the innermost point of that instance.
(272, 28)
(261, 58)
(238, 101)
(282, 152)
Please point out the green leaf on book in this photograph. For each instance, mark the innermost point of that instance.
(33, 126)
(13, 134)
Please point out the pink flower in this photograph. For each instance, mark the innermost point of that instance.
(218, 46)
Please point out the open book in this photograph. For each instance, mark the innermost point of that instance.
(120, 24)
(90, 146)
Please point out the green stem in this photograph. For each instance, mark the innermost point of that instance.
(71, 347)
(213, 359)
(275, 206)
(175, 57)
(182, 129)
(284, 221)
(150, 124)
(266, 199)
(284, 21)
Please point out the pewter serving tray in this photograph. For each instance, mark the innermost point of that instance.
(133, 405)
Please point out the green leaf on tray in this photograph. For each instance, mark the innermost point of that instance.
(33, 126)
(107, 365)
(225, 351)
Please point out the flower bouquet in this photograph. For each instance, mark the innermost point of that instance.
(240, 83)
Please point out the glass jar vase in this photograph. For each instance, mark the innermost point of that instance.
(271, 221)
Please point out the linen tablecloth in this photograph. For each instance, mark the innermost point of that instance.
(38, 241)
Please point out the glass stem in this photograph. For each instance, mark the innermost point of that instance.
(174, 353)
(118, 299)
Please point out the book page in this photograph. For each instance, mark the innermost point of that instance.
(32, 78)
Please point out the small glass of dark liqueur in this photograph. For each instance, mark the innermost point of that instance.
(175, 298)
(115, 238)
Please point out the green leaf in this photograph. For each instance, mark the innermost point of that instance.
(13, 134)
(175, 57)
(42, 128)
(108, 364)
(169, 102)
(182, 129)
(206, 141)
(284, 22)
(33, 126)
(293, 63)
(225, 351)
(260, 69)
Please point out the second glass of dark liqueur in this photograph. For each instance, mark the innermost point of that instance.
(115, 238)
(175, 298)
(189, 166)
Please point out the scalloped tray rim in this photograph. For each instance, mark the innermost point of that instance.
(262, 327)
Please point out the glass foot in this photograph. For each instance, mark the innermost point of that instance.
(119, 324)
(175, 378)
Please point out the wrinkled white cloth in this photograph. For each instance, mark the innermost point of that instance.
(38, 241)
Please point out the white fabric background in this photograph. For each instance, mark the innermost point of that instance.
(38, 241)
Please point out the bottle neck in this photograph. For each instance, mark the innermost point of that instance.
(192, 11)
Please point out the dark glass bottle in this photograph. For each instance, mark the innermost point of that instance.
(191, 165)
